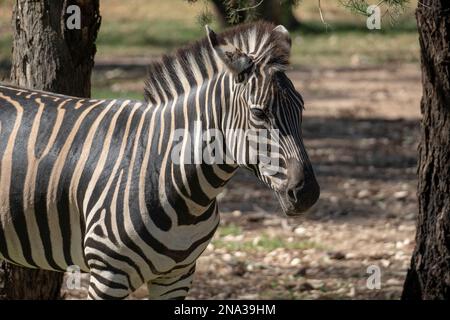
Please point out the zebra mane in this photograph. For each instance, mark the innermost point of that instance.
(257, 38)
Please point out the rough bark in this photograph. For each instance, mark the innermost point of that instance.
(49, 56)
(429, 273)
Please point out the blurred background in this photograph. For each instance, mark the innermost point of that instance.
(362, 91)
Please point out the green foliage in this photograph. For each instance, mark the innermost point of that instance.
(356, 6)
(238, 11)
(230, 229)
(206, 16)
(263, 243)
(392, 8)
(237, 8)
(106, 93)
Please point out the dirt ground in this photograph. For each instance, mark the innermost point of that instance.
(361, 128)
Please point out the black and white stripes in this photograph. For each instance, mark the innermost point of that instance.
(93, 183)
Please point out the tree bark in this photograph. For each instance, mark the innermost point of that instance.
(48, 55)
(429, 274)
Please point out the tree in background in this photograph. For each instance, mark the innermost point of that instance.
(47, 55)
(429, 274)
(50, 52)
(231, 12)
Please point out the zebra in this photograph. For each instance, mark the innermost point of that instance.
(91, 182)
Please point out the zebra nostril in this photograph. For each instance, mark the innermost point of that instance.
(292, 194)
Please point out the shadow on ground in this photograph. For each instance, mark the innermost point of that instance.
(354, 160)
(365, 218)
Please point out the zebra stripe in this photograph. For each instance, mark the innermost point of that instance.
(92, 183)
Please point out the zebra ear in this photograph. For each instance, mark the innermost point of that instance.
(233, 58)
(283, 33)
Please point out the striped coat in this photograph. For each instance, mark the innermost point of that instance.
(92, 183)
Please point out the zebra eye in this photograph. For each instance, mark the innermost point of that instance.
(259, 113)
(241, 77)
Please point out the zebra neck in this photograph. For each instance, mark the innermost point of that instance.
(183, 129)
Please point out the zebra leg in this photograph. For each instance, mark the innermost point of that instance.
(104, 284)
(172, 286)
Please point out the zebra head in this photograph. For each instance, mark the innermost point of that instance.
(264, 103)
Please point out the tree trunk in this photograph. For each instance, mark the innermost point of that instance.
(279, 13)
(50, 52)
(429, 273)
(47, 55)
(222, 12)
(289, 20)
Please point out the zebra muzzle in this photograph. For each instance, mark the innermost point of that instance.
(302, 190)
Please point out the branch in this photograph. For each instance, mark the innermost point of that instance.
(249, 8)
(321, 16)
